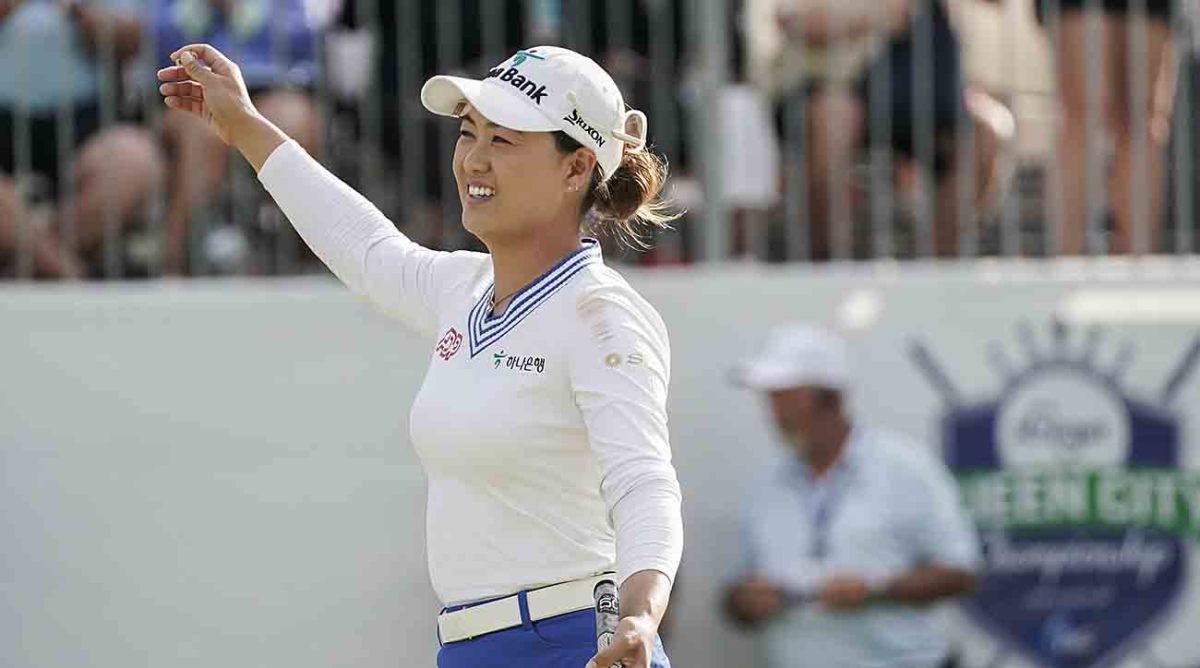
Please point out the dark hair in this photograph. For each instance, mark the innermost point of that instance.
(627, 205)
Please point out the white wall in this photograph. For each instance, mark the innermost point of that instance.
(218, 473)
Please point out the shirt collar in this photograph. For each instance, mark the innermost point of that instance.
(484, 328)
(849, 464)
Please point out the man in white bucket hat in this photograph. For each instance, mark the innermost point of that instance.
(541, 422)
(852, 533)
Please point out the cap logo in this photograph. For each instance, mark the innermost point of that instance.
(577, 120)
(532, 89)
(523, 54)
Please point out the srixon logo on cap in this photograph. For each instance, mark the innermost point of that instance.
(531, 88)
(576, 119)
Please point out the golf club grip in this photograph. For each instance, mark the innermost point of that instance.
(608, 611)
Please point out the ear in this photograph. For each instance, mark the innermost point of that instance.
(577, 169)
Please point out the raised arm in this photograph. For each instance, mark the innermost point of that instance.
(352, 237)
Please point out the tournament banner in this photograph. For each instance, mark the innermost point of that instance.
(1086, 502)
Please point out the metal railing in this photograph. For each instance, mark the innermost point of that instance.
(873, 143)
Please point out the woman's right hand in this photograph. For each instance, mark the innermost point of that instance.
(206, 83)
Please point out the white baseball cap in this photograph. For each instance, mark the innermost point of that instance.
(795, 356)
(544, 89)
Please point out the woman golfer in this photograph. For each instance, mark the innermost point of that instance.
(542, 420)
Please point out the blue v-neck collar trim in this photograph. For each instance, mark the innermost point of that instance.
(484, 328)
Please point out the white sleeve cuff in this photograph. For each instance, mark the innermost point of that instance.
(275, 162)
(649, 528)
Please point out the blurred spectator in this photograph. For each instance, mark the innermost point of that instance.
(834, 52)
(1111, 54)
(852, 534)
(467, 36)
(52, 60)
(274, 42)
(750, 167)
(616, 33)
(1186, 140)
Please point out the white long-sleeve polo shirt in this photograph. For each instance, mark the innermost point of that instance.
(542, 430)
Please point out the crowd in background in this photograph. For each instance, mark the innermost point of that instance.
(849, 129)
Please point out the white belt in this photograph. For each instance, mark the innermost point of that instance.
(505, 613)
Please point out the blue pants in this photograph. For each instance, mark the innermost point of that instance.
(565, 641)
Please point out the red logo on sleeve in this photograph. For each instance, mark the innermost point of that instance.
(449, 345)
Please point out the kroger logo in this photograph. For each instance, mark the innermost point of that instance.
(577, 120)
(1046, 426)
(1062, 417)
(532, 89)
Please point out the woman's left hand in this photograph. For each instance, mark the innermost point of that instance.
(631, 646)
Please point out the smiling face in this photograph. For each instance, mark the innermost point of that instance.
(516, 184)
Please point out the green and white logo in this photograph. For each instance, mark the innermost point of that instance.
(523, 54)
